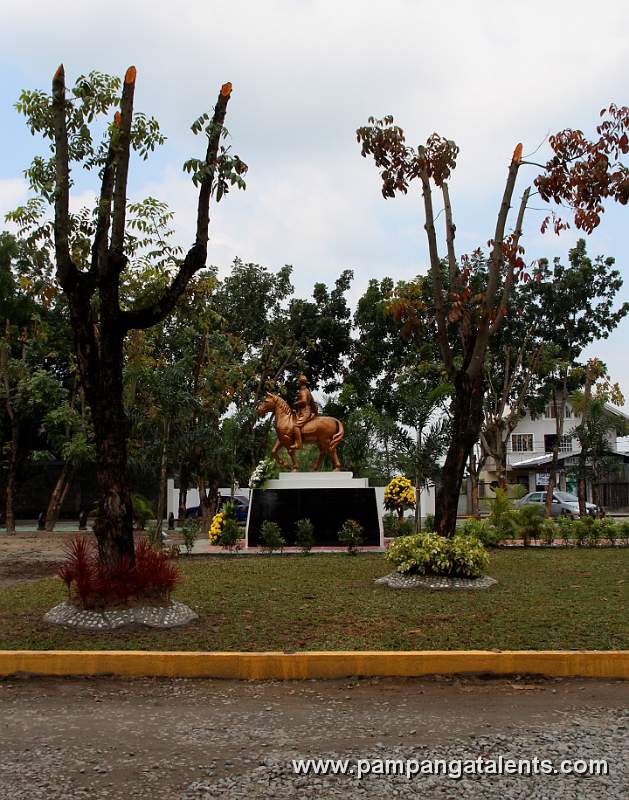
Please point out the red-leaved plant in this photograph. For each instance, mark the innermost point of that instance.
(92, 584)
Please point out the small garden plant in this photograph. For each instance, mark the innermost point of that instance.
(230, 530)
(271, 536)
(395, 526)
(304, 535)
(352, 535)
(190, 533)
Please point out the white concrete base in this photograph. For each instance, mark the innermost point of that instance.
(317, 480)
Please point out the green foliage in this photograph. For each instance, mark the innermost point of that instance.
(483, 531)
(502, 516)
(190, 531)
(142, 509)
(352, 535)
(271, 536)
(529, 522)
(430, 554)
(304, 535)
(230, 532)
(394, 526)
(429, 524)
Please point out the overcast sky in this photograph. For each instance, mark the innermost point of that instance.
(305, 76)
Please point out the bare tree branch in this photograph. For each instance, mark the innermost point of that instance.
(151, 315)
(99, 247)
(66, 270)
(203, 210)
(123, 147)
(450, 234)
(435, 269)
(508, 284)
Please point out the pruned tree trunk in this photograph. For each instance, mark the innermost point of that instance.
(467, 418)
(559, 408)
(57, 497)
(12, 468)
(184, 481)
(157, 534)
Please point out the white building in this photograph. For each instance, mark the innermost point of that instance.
(530, 446)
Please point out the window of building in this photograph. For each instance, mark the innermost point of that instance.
(565, 444)
(549, 411)
(522, 442)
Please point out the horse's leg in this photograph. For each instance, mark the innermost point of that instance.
(276, 456)
(335, 460)
(319, 462)
(291, 452)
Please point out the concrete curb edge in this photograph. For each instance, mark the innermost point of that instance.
(316, 664)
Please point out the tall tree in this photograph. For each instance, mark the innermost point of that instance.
(582, 173)
(91, 278)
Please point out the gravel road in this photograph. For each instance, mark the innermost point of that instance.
(192, 740)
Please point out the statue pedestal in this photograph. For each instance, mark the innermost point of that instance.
(327, 499)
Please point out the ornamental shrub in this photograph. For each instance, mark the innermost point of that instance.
(351, 534)
(190, 533)
(502, 514)
(271, 536)
(216, 527)
(482, 530)
(93, 584)
(230, 530)
(399, 494)
(606, 529)
(529, 522)
(623, 531)
(397, 526)
(430, 554)
(429, 524)
(304, 535)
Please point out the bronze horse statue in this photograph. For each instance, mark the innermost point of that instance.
(327, 432)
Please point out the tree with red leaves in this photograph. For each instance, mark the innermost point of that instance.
(581, 175)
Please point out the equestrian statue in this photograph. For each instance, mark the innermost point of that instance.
(300, 424)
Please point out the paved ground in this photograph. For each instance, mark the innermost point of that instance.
(158, 739)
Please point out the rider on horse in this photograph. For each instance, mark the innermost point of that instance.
(305, 409)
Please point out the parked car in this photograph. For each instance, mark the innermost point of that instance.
(241, 505)
(564, 504)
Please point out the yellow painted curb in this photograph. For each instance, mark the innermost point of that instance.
(324, 664)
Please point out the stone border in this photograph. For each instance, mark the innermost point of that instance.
(169, 616)
(434, 583)
(612, 664)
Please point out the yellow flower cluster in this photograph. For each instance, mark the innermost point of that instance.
(399, 493)
(216, 528)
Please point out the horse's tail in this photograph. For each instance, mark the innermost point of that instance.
(338, 436)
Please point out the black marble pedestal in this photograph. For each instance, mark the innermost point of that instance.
(326, 508)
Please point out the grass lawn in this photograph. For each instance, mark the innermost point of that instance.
(560, 599)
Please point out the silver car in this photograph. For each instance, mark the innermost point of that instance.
(564, 504)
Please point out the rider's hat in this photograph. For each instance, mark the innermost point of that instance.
(302, 378)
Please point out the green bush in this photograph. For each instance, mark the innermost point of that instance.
(429, 525)
(548, 532)
(565, 529)
(430, 554)
(142, 509)
(351, 534)
(230, 531)
(394, 526)
(190, 532)
(529, 522)
(607, 529)
(502, 515)
(271, 536)
(623, 531)
(482, 530)
(304, 535)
